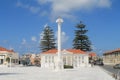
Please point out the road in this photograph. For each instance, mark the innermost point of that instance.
(110, 69)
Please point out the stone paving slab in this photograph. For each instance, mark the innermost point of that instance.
(36, 73)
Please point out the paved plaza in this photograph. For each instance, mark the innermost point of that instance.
(36, 73)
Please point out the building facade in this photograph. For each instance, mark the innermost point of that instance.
(92, 57)
(30, 59)
(70, 57)
(8, 55)
(112, 57)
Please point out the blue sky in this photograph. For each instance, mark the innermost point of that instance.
(22, 22)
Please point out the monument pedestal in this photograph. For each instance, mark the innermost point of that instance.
(59, 65)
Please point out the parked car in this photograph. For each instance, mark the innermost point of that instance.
(100, 63)
(117, 66)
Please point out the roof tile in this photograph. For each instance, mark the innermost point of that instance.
(74, 51)
(4, 49)
(92, 54)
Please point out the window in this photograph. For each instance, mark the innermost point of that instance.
(49, 59)
(64, 60)
(79, 59)
(75, 59)
(82, 59)
(52, 59)
(45, 59)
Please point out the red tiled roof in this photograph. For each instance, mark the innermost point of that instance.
(74, 51)
(4, 49)
(92, 54)
(52, 51)
(110, 52)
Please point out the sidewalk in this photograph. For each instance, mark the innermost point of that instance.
(36, 73)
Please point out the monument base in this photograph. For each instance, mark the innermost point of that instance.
(59, 65)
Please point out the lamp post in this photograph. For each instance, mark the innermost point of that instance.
(59, 61)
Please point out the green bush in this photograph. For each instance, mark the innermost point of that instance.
(68, 66)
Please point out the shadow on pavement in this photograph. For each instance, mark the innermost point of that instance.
(9, 74)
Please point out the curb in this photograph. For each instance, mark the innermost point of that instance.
(110, 73)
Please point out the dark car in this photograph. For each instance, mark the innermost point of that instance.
(100, 63)
(117, 66)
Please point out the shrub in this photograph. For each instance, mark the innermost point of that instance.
(68, 66)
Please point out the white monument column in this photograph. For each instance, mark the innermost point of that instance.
(59, 61)
(10, 60)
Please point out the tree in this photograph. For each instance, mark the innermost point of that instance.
(81, 40)
(47, 41)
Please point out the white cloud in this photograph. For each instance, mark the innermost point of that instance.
(104, 3)
(23, 41)
(33, 9)
(42, 1)
(67, 6)
(44, 13)
(64, 37)
(33, 38)
(20, 4)
(64, 8)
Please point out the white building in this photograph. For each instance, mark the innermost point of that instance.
(5, 54)
(70, 57)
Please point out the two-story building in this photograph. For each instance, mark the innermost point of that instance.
(111, 57)
(70, 57)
